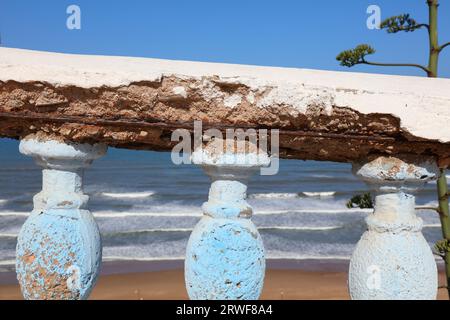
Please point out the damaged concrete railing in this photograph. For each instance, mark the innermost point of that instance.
(225, 253)
(66, 109)
(59, 249)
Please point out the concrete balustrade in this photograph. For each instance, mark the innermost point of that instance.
(136, 103)
(393, 261)
(59, 247)
(225, 254)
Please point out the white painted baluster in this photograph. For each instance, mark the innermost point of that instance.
(225, 254)
(59, 247)
(393, 260)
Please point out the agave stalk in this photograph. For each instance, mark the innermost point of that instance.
(350, 58)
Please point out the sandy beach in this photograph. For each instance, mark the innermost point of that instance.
(161, 285)
(282, 282)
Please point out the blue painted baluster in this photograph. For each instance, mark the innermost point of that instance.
(225, 254)
(59, 247)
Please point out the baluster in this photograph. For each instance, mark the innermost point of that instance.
(225, 254)
(393, 260)
(59, 249)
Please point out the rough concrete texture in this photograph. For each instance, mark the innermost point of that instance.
(59, 249)
(224, 260)
(225, 254)
(403, 172)
(393, 260)
(58, 255)
(137, 103)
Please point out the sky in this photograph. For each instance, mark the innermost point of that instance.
(297, 33)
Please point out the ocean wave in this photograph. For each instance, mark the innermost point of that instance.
(182, 258)
(306, 257)
(11, 263)
(319, 194)
(282, 228)
(8, 235)
(313, 211)
(273, 195)
(435, 181)
(323, 176)
(112, 214)
(124, 258)
(2, 201)
(128, 195)
(268, 257)
(8, 263)
(145, 214)
(301, 228)
(434, 225)
(14, 214)
(131, 232)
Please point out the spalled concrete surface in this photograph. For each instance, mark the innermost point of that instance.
(136, 103)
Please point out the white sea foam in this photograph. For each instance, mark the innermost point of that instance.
(273, 195)
(152, 230)
(123, 258)
(14, 214)
(323, 176)
(8, 235)
(2, 201)
(283, 228)
(314, 211)
(305, 257)
(199, 214)
(301, 228)
(432, 225)
(7, 263)
(268, 257)
(319, 194)
(128, 195)
(112, 214)
(434, 181)
(10, 263)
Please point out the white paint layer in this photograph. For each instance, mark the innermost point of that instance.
(393, 261)
(421, 104)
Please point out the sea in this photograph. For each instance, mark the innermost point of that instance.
(146, 207)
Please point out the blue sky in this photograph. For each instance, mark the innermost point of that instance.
(298, 33)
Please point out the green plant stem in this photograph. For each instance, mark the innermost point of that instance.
(434, 41)
(423, 25)
(445, 45)
(445, 219)
(432, 72)
(442, 186)
(396, 65)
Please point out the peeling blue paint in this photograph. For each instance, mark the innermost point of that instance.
(225, 260)
(225, 257)
(58, 255)
(59, 252)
